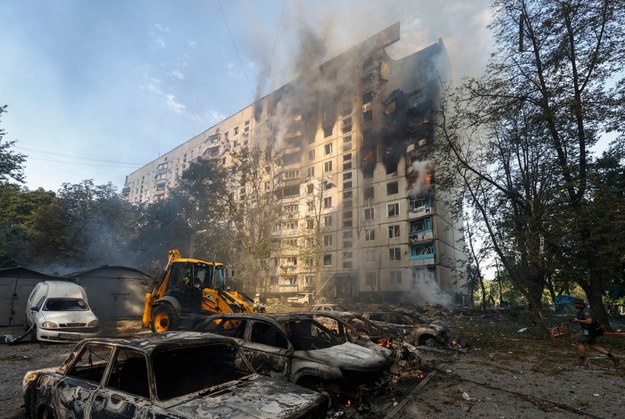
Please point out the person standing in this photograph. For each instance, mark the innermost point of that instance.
(588, 333)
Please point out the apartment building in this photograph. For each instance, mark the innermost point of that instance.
(360, 219)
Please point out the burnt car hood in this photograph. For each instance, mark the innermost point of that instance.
(253, 397)
(347, 356)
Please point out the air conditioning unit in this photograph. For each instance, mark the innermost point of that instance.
(427, 210)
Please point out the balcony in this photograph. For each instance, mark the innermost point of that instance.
(419, 212)
(418, 236)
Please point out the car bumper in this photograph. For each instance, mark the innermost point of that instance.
(62, 335)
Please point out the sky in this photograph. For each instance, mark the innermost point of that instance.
(97, 89)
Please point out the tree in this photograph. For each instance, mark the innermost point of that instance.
(17, 209)
(255, 183)
(543, 102)
(10, 162)
(82, 226)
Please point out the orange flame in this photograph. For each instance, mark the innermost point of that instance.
(386, 342)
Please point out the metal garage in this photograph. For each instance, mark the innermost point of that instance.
(15, 287)
(115, 292)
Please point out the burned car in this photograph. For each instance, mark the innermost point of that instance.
(361, 331)
(327, 307)
(408, 328)
(174, 374)
(301, 350)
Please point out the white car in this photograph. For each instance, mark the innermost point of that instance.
(58, 311)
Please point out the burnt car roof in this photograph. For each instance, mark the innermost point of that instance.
(279, 317)
(149, 341)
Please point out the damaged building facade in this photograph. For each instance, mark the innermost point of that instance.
(349, 144)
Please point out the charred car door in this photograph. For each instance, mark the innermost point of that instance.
(74, 392)
(126, 393)
(268, 349)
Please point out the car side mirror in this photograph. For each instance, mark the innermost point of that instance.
(34, 309)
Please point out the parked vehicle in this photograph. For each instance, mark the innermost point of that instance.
(361, 331)
(58, 311)
(301, 298)
(165, 375)
(409, 329)
(303, 351)
(327, 307)
(189, 290)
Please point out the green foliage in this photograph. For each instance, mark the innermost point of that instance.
(84, 226)
(10, 162)
(519, 139)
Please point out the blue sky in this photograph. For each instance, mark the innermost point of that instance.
(97, 89)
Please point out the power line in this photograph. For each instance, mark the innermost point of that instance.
(74, 158)
(235, 47)
(275, 42)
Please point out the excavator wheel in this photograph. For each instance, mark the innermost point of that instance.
(164, 318)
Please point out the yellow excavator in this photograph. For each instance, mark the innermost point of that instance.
(189, 290)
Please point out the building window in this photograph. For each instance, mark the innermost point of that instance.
(421, 225)
(347, 157)
(327, 240)
(347, 143)
(394, 254)
(369, 192)
(311, 206)
(393, 209)
(369, 234)
(347, 195)
(369, 213)
(422, 251)
(347, 176)
(310, 224)
(370, 256)
(420, 203)
(370, 278)
(291, 174)
(347, 185)
(327, 149)
(310, 188)
(348, 234)
(367, 116)
(347, 244)
(327, 221)
(327, 166)
(310, 172)
(311, 155)
(367, 97)
(395, 277)
(327, 260)
(393, 231)
(347, 166)
(308, 280)
(327, 202)
(392, 188)
(348, 223)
